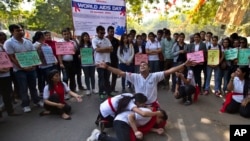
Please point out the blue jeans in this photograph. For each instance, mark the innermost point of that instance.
(154, 66)
(225, 75)
(125, 68)
(25, 80)
(89, 75)
(217, 77)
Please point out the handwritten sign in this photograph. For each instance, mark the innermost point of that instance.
(243, 58)
(86, 56)
(5, 61)
(141, 58)
(28, 59)
(48, 55)
(197, 57)
(213, 57)
(64, 48)
(231, 54)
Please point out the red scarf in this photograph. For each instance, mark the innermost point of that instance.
(196, 94)
(59, 90)
(229, 98)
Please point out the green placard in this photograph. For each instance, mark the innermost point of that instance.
(28, 59)
(86, 56)
(243, 58)
(231, 54)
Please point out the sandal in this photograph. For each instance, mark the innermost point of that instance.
(217, 93)
(205, 92)
(44, 113)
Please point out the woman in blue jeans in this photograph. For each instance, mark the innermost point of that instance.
(125, 54)
(88, 69)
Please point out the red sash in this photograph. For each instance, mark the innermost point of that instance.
(229, 98)
(111, 106)
(196, 94)
(59, 90)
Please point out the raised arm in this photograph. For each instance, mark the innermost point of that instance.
(113, 70)
(175, 69)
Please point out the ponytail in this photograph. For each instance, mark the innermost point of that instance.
(123, 102)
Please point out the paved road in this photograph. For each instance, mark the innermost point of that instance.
(197, 122)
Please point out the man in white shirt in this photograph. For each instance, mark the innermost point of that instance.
(145, 82)
(67, 62)
(102, 47)
(25, 76)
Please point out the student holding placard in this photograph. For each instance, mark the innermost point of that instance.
(87, 62)
(125, 54)
(198, 45)
(5, 79)
(66, 58)
(215, 67)
(25, 76)
(47, 57)
(225, 72)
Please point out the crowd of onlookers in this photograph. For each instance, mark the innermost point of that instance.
(163, 52)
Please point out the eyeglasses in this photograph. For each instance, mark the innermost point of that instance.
(102, 33)
(242, 42)
(226, 42)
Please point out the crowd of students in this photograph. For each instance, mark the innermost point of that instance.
(167, 58)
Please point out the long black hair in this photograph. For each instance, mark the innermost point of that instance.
(123, 102)
(122, 44)
(246, 86)
(38, 35)
(50, 76)
(81, 44)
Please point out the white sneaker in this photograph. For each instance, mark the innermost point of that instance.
(26, 109)
(88, 92)
(94, 135)
(95, 91)
(66, 97)
(40, 103)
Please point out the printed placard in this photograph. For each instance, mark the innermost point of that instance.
(213, 57)
(86, 56)
(141, 58)
(243, 58)
(231, 54)
(197, 57)
(48, 55)
(64, 48)
(28, 59)
(5, 61)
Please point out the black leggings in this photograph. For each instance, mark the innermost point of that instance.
(235, 107)
(186, 92)
(54, 110)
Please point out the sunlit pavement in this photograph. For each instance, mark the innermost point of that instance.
(200, 121)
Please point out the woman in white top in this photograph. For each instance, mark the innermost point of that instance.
(120, 103)
(125, 54)
(153, 48)
(43, 69)
(240, 98)
(185, 86)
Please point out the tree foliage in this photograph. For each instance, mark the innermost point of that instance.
(51, 15)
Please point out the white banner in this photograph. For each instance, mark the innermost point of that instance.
(88, 14)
